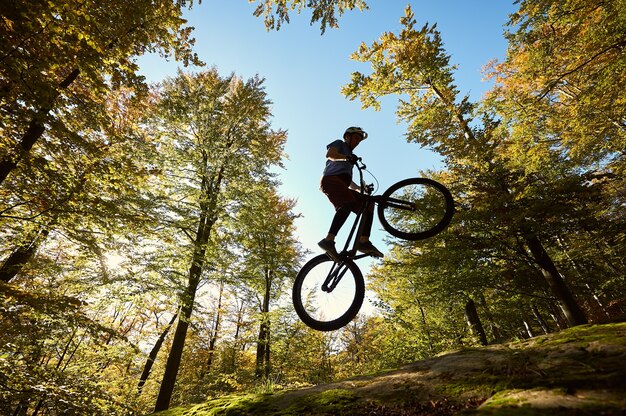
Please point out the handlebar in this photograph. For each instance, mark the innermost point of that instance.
(358, 162)
(365, 189)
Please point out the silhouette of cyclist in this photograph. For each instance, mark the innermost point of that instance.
(344, 194)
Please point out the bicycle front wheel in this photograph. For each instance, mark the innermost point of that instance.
(327, 295)
(416, 208)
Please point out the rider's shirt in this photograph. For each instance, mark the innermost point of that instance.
(334, 167)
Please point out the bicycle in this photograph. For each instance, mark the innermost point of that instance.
(328, 294)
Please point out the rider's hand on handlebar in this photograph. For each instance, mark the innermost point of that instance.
(368, 189)
(353, 159)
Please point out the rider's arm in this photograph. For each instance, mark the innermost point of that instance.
(335, 155)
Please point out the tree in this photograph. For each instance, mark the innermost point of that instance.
(216, 141)
(60, 63)
(48, 46)
(272, 255)
(560, 90)
(276, 12)
(564, 75)
(147, 368)
(80, 184)
(414, 63)
(59, 58)
(84, 192)
(55, 357)
(421, 299)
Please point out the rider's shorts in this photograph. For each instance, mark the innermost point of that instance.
(337, 189)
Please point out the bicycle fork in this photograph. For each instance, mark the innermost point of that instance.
(337, 271)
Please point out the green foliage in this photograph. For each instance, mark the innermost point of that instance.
(510, 186)
(60, 61)
(414, 65)
(275, 13)
(47, 361)
(562, 81)
(100, 203)
(265, 232)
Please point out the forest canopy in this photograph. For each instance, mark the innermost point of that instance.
(147, 255)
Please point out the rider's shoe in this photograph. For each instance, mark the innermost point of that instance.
(329, 247)
(368, 248)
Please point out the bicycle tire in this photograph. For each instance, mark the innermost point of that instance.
(430, 212)
(308, 297)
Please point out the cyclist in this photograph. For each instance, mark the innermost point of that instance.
(343, 193)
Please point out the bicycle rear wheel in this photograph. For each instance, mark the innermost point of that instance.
(328, 295)
(416, 208)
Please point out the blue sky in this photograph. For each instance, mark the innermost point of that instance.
(304, 72)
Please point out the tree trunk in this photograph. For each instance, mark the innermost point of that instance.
(20, 257)
(239, 324)
(263, 344)
(147, 368)
(581, 272)
(558, 320)
(528, 329)
(598, 301)
(495, 330)
(187, 302)
(573, 313)
(21, 408)
(39, 405)
(268, 346)
(425, 324)
(216, 329)
(176, 351)
(35, 129)
(542, 322)
(473, 320)
(210, 187)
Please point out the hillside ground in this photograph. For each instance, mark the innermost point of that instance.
(579, 371)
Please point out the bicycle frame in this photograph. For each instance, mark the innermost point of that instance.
(376, 199)
(351, 254)
(339, 269)
(395, 203)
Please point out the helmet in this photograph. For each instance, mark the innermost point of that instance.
(359, 130)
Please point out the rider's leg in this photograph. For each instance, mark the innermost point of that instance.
(341, 215)
(338, 192)
(364, 244)
(365, 228)
(328, 243)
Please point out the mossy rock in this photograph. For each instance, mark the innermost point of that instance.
(580, 371)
